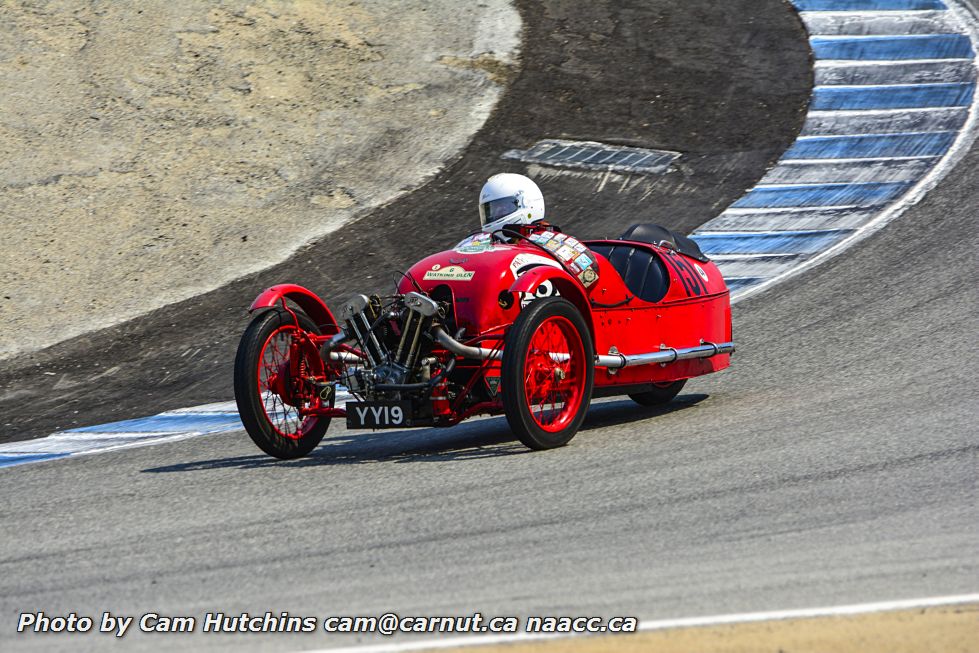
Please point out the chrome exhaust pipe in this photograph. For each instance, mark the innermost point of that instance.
(459, 349)
(664, 355)
(345, 356)
(611, 361)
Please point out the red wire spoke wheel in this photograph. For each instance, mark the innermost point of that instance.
(548, 371)
(273, 391)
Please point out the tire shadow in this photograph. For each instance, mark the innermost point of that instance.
(484, 438)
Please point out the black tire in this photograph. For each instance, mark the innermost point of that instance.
(515, 380)
(659, 395)
(251, 400)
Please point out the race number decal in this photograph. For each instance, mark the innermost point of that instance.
(700, 271)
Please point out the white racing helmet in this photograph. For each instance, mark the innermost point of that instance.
(508, 198)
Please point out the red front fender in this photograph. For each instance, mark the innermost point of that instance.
(569, 288)
(307, 300)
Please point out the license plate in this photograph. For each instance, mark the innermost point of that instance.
(378, 414)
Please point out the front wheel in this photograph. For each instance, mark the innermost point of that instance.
(548, 371)
(273, 391)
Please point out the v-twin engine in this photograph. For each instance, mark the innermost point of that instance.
(392, 339)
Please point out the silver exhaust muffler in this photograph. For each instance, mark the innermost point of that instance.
(664, 355)
(612, 361)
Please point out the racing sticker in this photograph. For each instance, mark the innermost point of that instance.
(700, 271)
(566, 253)
(571, 252)
(475, 244)
(451, 273)
(523, 262)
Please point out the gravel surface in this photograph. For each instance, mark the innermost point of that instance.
(152, 151)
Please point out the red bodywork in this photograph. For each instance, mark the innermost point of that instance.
(680, 319)
(487, 295)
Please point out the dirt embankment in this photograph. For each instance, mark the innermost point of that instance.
(152, 151)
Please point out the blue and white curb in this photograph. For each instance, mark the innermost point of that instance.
(893, 109)
(166, 427)
(171, 426)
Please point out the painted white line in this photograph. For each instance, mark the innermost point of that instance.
(723, 258)
(858, 73)
(867, 160)
(872, 87)
(931, 22)
(663, 624)
(816, 218)
(870, 38)
(825, 137)
(773, 232)
(824, 63)
(784, 209)
(810, 171)
(867, 13)
(810, 613)
(877, 124)
(758, 268)
(820, 113)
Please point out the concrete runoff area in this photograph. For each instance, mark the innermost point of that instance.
(948, 629)
(153, 151)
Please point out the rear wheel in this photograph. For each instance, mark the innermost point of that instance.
(661, 393)
(548, 371)
(272, 387)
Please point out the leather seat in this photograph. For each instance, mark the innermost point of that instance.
(642, 271)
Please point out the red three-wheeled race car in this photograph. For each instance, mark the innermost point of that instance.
(525, 321)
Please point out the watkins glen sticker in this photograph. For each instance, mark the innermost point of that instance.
(451, 273)
(700, 271)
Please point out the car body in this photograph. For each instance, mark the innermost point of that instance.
(531, 323)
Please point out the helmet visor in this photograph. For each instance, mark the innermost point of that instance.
(499, 208)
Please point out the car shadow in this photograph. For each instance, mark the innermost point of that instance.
(482, 438)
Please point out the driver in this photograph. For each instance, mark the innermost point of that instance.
(515, 201)
(509, 199)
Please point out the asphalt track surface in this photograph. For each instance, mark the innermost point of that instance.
(835, 462)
